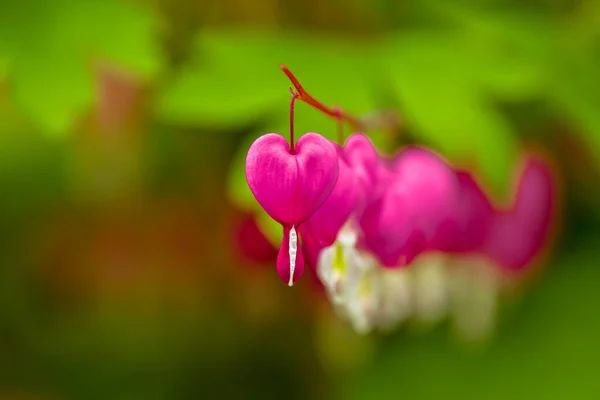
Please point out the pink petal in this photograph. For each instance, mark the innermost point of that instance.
(363, 158)
(520, 233)
(405, 220)
(311, 248)
(372, 173)
(471, 220)
(291, 187)
(327, 221)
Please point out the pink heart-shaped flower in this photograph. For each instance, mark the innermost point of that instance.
(405, 220)
(520, 233)
(291, 186)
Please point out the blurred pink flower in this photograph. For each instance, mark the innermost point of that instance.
(519, 234)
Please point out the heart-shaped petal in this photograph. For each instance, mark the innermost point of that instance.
(291, 186)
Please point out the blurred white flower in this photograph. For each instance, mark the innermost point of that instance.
(362, 291)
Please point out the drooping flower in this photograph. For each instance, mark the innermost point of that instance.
(291, 184)
(352, 269)
(360, 290)
(405, 219)
(291, 181)
(491, 241)
(520, 233)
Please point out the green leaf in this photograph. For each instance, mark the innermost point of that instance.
(577, 96)
(48, 63)
(125, 34)
(54, 98)
(442, 98)
(218, 97)
(234, 77)
(508, 49)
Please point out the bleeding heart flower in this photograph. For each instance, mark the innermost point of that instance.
(368, 296)
(291, 185)
(405, 219)
(291, 182)
(519, 234)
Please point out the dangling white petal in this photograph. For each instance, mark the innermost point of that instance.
(337, 263)
(293, 251)
(331, 266)
(475, 292)
(396, 305)
(431, 291)
(363, 301)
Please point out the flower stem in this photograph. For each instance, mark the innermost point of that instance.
(307, 98)
(292, 144)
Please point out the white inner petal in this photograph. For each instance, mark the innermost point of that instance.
(397, 304)
(431, 288)
(362, 292)
(293, 246)
(475, 295)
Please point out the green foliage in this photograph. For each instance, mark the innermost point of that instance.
(51, 70)
(443, 99)
(234, 76)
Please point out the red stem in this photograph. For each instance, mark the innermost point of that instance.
(308, 99)
(292, 145)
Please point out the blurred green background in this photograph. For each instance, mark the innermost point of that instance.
(123, 130)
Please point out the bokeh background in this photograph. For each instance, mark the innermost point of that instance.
(124, 210)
